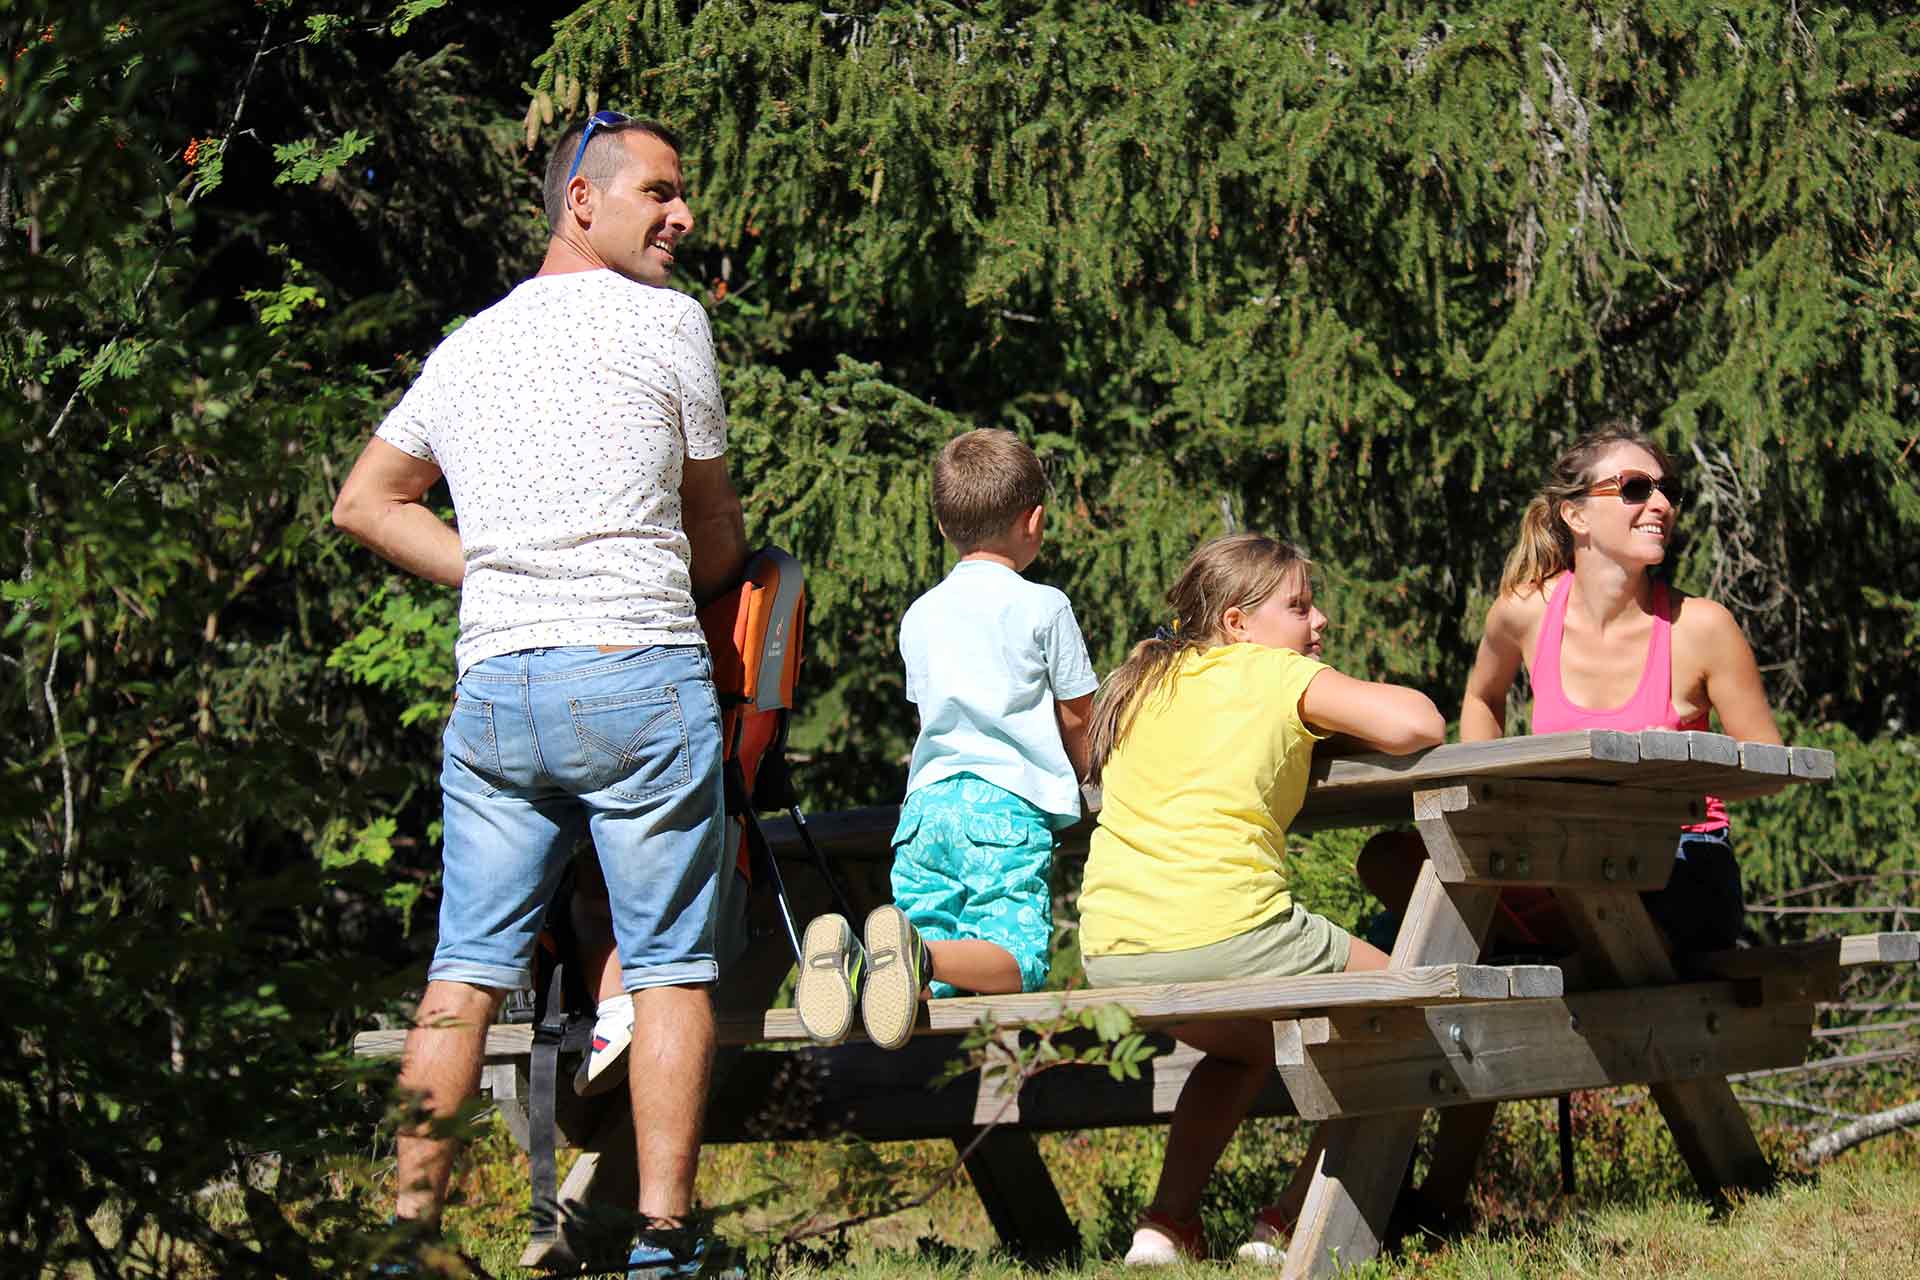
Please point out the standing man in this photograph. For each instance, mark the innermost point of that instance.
(579, 425)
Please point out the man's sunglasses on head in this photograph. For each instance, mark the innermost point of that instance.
(598, 120)
(1636, 487)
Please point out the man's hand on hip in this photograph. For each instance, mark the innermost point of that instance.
(380, 506)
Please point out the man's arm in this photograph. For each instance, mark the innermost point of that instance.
(379, 505)
(715, 527)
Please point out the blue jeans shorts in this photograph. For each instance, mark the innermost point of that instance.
(1703, 905)
(971, 860)
(545, 745)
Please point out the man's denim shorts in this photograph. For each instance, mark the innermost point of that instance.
(546, 744)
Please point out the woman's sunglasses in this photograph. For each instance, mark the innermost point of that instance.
(1635, 487)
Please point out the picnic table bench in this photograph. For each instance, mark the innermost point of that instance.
(1591, 815)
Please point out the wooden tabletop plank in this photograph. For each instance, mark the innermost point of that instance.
(1812, 763)
(1372, 790)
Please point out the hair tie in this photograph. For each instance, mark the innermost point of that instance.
(1166, 635)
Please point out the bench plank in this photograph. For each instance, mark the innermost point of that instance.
(1854, 951)
(1177, 1002)
(1150, 1005)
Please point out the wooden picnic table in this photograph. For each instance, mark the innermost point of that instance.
(1591, 815)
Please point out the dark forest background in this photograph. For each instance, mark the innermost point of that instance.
(1350, 273)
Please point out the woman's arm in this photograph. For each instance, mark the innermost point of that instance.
(1385, 717)
(1734, 688)
(1483, 708)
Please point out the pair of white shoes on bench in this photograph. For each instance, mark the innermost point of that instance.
(882, 973)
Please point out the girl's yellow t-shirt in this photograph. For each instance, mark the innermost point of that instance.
(1195, 803)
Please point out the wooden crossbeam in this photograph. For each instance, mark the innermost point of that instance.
(1553, 834)
(1339, 1067)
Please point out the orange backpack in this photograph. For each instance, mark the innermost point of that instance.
(754, 633)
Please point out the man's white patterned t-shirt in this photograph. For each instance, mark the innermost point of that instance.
(561, 417)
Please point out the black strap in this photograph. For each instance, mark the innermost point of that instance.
(543, 1079)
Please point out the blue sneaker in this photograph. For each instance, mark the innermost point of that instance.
(662, 1257)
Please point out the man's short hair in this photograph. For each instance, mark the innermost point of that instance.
(606, 156)
(982, 482)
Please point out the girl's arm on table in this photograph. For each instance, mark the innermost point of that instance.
(1385, 717)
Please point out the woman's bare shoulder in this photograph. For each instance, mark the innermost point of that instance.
(1699, 614)
(1516, 614)
(1703, 622)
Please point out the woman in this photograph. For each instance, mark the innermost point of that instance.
(1607, 645)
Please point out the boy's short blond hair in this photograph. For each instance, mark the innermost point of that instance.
(982, 482)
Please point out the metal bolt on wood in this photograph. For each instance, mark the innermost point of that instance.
(1499, 864)
(1713, 1024)
(1608, 870)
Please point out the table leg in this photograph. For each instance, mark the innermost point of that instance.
(1618, 938)
(1456, 1154)
(1344, 1219)
(1019, 1196)
(1350, 1199)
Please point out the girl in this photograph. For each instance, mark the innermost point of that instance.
(1202, 741)
(1608, 646)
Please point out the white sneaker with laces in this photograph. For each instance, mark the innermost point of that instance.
(604, 1066)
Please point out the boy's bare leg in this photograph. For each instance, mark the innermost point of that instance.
(973, 964)
(440, 1067)
(667, 1074)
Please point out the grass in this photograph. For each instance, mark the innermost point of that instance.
(1635, 1216)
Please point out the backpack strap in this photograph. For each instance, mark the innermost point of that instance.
(543, 1079)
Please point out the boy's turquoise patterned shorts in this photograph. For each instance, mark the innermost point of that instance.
(971, 860)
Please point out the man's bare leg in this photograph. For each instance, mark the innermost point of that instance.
(439, 1071)
(667, 1075)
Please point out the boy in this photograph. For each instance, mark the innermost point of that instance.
(1000, 673)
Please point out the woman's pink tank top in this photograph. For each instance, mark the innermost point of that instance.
(1650, 707)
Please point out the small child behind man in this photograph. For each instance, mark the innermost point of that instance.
(999, 671)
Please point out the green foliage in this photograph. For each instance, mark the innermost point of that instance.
(213, 839)
(308, 161)
(1351, 274)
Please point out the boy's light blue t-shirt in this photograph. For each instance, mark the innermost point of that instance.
(988, 654)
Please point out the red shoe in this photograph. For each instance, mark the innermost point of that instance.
(1161, 1240)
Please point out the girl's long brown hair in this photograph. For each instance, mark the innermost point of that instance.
(1545, 545)
(1241, 569)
